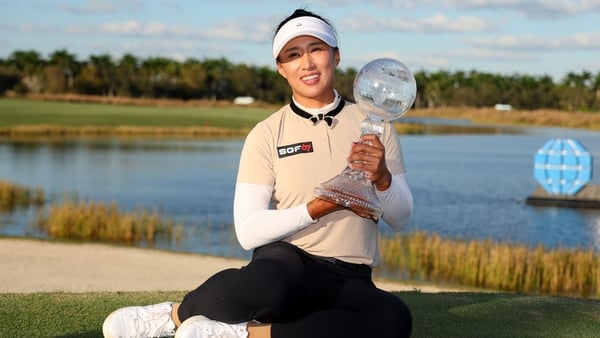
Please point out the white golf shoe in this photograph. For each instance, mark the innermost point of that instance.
(140, 322)
(202, 327)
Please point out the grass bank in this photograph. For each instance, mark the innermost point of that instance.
(20, 117)
(97, 116)
(434, 315)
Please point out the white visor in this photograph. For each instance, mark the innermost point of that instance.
(304, 25)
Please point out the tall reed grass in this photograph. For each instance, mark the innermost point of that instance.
(93, 221)
(485, 264)
(13, 195)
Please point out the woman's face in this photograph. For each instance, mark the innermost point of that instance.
(308, 64)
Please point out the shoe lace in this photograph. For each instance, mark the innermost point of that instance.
(222, 332)
(222, 335)
(155, 324)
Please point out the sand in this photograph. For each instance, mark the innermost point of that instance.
(30, 265)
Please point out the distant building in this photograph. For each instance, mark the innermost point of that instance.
(243, 100)
(503, 107)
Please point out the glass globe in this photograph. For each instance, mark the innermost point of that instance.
(385, 89)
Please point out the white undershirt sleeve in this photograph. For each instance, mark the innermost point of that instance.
(397, 202)
(256, 224)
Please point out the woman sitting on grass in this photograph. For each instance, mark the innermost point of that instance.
(310, 273)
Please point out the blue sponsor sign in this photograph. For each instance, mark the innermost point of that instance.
(562, 166)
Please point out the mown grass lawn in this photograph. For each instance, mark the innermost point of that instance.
(19, 112)
(468, 314)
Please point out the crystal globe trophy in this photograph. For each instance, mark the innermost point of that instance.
(384, 89)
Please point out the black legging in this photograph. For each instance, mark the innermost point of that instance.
(302, 296)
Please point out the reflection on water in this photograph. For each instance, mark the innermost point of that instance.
(122, 144)
(464, 186)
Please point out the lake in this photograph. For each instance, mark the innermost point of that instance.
(464, 186)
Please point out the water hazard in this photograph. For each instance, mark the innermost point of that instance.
(464, 186)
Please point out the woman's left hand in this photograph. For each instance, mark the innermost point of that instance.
(369, 155)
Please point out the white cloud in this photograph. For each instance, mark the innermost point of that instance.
(537, 43)
(438, 23)
(445, 60)
(441, 23)
(129, 27)
(171, 4)
(414, 61)
(529, 8)
(30, 28)
(224, 31)
(543, 9)
(100, 6)
(237, 31)
(494, 55)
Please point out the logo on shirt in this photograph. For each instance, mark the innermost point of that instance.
(295, 149)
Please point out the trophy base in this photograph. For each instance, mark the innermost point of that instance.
(355, 193)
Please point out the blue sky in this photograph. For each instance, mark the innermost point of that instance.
(533, 37)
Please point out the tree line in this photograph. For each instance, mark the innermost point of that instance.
(27, 71)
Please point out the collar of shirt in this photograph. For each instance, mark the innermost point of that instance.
(326, 113)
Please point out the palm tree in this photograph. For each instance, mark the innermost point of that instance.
(161, 76)
(105, 70)
(29, 64)
(576, 91)
(61, 69)
(193, 79)
(217, 79)
(128, 78)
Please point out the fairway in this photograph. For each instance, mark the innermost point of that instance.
(20, 112)
(434, 314)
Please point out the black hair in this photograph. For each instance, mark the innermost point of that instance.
(300, 12)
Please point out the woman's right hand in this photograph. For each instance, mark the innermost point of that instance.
(318, 208)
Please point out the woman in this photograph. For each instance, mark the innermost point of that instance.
(310, 273)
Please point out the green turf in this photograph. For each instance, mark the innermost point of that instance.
(467, 314)
(31, 112)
